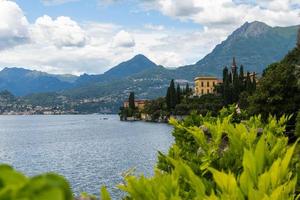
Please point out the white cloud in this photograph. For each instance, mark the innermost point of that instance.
(154, 27)
(62, 32)
(62, 45)
(227, 15)
(123, 39)
(56, 2)
(13, 25)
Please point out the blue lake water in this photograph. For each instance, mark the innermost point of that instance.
(87, 150)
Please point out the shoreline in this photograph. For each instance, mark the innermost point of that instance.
(58, 114)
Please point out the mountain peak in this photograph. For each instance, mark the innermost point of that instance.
(252, 29)
(255, 45)
(140, 56)
(135, 65)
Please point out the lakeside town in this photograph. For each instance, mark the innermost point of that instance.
(184, 96)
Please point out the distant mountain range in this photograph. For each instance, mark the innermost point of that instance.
(133, 66)
(23, 81)
(255, 45)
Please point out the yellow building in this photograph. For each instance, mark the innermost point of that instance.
(205, 85)
(140, 104)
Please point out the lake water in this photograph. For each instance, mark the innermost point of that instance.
(87, 150)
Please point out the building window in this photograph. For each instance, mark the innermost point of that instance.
(202, 84)
(207, 84)
(202, 91)
(207, 91)
(214, 83)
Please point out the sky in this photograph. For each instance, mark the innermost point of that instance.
(91, 36)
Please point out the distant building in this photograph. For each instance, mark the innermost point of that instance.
(140, 104)
(205, 85)
(253, 76)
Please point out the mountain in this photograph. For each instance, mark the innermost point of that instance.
(255, 45)
(137, 64)
(21, 81)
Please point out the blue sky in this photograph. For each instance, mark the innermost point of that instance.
(91, 36)
(127, 13)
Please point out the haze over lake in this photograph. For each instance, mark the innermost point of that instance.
(87, 149)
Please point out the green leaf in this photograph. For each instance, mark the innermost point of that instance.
(105, 194)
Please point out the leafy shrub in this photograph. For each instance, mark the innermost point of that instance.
(297, 131)
(213, 158)
(14, 185)
(217, 158)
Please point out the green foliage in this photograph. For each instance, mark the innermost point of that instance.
(234, 84)
(86, 196)
(178, 94)
(16, 186)
(187, 91)
(171, 97)
(209, 103)
(214, 158)
(131, 110)
(131, 101)
(104, 194)
(156, 109)
(297, 130)
(278, 91)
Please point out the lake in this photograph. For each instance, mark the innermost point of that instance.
(87, 149)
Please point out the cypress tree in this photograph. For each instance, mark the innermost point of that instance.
(248, 84)
(178, 94)
(226, 86)
(187, 89)
(235, 86)
(168, 99)
(241, 78)
(225, 74)
(173, 96)
(254, 83)
(230, 77)
(131, 101)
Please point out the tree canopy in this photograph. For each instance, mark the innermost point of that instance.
(278, 91)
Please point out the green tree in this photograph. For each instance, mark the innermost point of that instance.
(173, 96)
(178, 94)
(168, 99)
(254, 84)
(131, 101)
(187, 89)
(226, 87)
(278, 92)
(235, 86)
(230, 77)
(214, 158)
(248, 83)
(297, 129)
(241, 78)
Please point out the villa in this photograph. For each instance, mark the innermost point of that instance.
(205, 85)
